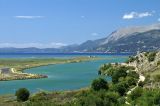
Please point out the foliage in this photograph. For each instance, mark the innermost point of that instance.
(136, 93)
(151, 56)
(99, 83)
(22, 94)
(145, 97)
(119, 72)
(141, 84)
(156, 77)
(100, 98)
(131, 59)
(39, 97)
(121, 88)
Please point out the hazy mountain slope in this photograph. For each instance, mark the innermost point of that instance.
(131, 39)
(128, 31)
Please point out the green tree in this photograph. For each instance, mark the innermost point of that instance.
(99, 83)
(22, 94)
(119, 72)
(151, 56)
(136, 93)
(120, 88)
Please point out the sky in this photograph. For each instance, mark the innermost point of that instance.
(56, 23)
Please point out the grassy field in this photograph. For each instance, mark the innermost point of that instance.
(21, 64)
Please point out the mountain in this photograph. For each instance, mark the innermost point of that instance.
(123, 40)
(28, 50)
(129, 39)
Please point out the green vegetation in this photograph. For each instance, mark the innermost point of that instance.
(22, 94)
(151, 56)
(145, 97)
(99, 84)
(125, 89)
(101, 92)
(21, 64)
(131, 59)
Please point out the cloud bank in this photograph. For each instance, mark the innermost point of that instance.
(133, 15)
(37, 45)
(28, 17)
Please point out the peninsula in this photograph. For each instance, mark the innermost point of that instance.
(12, 69)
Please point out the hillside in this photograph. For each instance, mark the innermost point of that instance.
(130, 39)
(148, 64)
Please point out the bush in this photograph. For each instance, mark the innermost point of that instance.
(121, 88)
(151, 56)
(22, 94)
(131, 81)
(133, 74)
(119, 72)
(136, 93)
(141, 84)
(99, 83)
(131, 59)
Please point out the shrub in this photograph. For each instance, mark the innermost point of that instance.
(131, 81)
(131, 59)
(136, 93)
(99, 83)
(151, 56)
(141, 84)
(120, 72)
(120, 88)
(158, 63)
(22, 94)
(39, 97)
(156, 77)
(133, 74)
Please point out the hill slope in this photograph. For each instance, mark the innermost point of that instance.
(130, 39)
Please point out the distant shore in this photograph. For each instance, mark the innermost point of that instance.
(19, 65)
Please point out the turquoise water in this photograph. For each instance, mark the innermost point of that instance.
(60, 77)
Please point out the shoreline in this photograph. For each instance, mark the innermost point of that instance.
(20, 73)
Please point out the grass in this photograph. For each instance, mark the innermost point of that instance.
(21, 64)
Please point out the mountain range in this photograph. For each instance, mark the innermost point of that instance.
(123, 40)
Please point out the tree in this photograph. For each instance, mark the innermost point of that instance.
(136, 93)
(119, 72)
(120, 88)
(22, 94)
(99, 83)
(151, 56)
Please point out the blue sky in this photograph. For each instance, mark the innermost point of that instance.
(54, 23)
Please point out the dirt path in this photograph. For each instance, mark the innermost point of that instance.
(141, 79)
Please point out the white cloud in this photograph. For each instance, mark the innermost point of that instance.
(82, 16)
(94, 34)
(133, 15)
(37, 45)
(28, 17)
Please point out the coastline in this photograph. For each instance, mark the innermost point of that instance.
(19, 73)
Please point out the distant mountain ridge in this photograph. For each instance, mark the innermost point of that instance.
(129, 39)
(123, 40)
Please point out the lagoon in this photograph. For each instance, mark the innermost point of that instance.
(68, 76)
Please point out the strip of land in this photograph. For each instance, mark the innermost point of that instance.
(12, 69)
